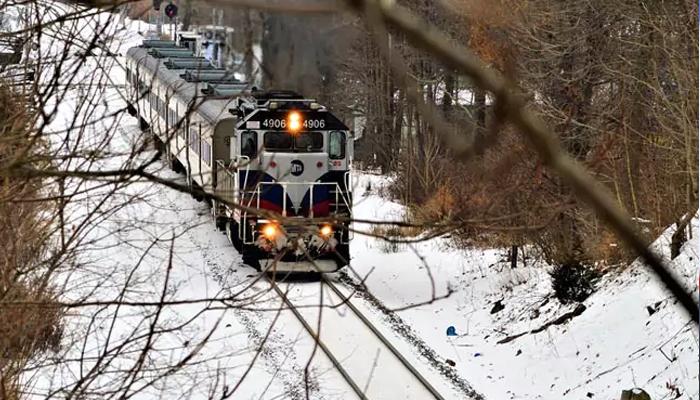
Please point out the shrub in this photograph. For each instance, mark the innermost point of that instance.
(573, 282)
(30, 321)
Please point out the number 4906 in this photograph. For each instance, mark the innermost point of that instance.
(314, 124)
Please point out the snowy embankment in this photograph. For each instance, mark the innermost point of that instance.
(631, 333)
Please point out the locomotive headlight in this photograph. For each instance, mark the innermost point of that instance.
(326, 231)
(294, 121)
(270, 231)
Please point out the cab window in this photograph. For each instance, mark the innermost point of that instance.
(336, 145)
(249, 144)
(304, 142)
(309, 142)
(278, 141)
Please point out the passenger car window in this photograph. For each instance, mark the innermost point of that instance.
(249, 144)
(336, 145)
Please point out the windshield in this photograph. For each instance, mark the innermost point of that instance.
(304, 142)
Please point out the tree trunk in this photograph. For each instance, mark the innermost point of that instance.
(679, 236)
(480, 106)
(248, 44)
(514, 256)
(187, 15)
(447, 95)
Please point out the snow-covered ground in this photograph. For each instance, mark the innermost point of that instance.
(614, 344)
(155, 242)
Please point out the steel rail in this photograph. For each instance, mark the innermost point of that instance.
(355, 387)
(383, 339)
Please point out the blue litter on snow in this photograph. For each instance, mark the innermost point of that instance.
(451, 331)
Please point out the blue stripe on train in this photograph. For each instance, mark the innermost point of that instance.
(271, 195)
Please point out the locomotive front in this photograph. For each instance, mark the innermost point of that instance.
(294, 163)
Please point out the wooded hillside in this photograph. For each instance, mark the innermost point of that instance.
(616, 80)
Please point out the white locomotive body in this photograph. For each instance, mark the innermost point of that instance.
(273, 165)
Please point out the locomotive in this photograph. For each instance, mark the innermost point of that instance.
(274, 165)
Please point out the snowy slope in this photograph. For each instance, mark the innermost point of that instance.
(613, 345)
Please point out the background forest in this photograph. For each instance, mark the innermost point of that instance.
(617, 81)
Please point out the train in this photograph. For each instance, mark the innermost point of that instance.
(273, 165)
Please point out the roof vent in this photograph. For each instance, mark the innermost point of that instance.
(193, 63)
(177, 52)
(149, 44)
(213, 76)
(276, 94)
(225, 89)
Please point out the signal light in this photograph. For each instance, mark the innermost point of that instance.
(171, 10)
(294, 121)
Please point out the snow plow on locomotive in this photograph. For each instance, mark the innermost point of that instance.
(274, 165)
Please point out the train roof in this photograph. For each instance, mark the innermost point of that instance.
(211, 108)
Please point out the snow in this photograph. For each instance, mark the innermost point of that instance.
(614, 345)
(150, 232)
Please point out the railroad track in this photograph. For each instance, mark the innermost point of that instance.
(379, 355)
(371, 355)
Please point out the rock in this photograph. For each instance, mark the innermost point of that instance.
(450, 362)
(519, 352)
(497, 306)
(634, 394)
(589, 395)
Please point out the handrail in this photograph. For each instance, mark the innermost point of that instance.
(346, 178)
(224, 179)
(243, 225)
(311, 185)
(247, 169)
(348, 201)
